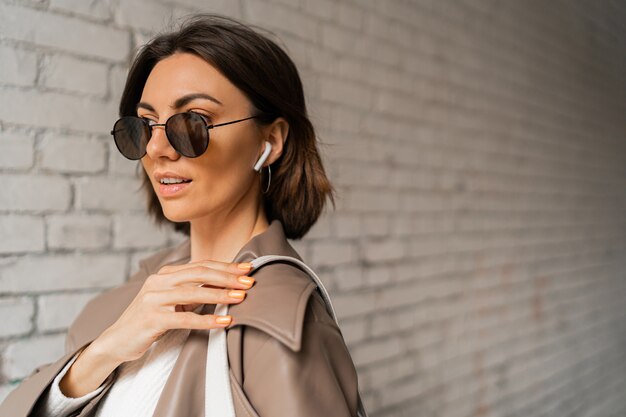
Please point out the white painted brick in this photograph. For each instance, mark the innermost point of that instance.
(409, 270)
(350, 305)
(388, 30)
(120, 165)
(389, 323)
(347, 93)
(58, 153)
(377, 276)
(143, 14)
(375, 351)
(389, 371)
(394, 103)
(348, 277)
(117, 82)
(427, 244)
(368, 201)
(21, 357)
(58, 311)
(280, 18)
(401, 225)
(57, 110)
(347, 226)
(140, 38)
(310, 79)
(21, 233)
(415, 14)
(337, 39)
(59, 31)
(345, 120)
(349, 16)
(354, 173)
(297, 48)
(61, 272)
(17, 66)
(388, 78)
(21, 311)
(413, 135)
(404, 295)
(321, 114)
(356, 44)
(16, 150)
(322, 60)
(375, 225)
(322, 229)
(30, 192)
(324, 9)
(230, 8)
(291, 3)
(100, 10)
(344, 146)
(78, 231)
(73, 74)
(136, 231)
(332, 253)
(354, 69)
(398, 395)
(109, 193)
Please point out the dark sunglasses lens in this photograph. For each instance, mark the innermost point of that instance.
(188, 134)
(131, 135)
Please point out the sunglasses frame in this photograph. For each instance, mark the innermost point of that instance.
(146, 122)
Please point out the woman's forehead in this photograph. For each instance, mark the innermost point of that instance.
(183, 74)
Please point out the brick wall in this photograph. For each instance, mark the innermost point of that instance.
(476, 256)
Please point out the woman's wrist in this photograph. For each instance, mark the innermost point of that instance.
(90, 369)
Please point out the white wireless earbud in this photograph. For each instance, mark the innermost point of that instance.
(266, 152)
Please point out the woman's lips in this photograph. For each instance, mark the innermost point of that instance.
(171, 189)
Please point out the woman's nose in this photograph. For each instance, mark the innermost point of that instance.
(158, 145)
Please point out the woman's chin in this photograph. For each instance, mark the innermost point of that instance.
(176, 215)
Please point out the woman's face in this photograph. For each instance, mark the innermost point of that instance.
(224, 173)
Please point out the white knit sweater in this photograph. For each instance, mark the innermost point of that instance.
(135, 391)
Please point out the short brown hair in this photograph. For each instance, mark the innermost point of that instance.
(268, 77)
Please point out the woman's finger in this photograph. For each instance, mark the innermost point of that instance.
(190, 320)
(200, 276)
(230, 267)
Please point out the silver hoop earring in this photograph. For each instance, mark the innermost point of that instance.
(269, 180)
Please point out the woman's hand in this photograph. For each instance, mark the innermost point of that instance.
(167, 300)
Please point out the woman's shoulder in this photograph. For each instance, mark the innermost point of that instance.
(277, 303)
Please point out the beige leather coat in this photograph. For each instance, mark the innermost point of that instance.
(287, 356)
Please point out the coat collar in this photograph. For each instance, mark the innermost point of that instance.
(290, 284)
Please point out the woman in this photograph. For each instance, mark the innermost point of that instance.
(143, 344)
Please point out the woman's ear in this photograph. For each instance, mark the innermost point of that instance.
(277, 136)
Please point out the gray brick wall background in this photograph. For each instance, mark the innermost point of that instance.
(477, 254)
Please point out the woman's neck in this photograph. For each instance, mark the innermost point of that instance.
(221, 240)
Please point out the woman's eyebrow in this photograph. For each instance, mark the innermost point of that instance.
(181, 101)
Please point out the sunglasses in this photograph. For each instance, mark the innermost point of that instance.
(188, 133)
